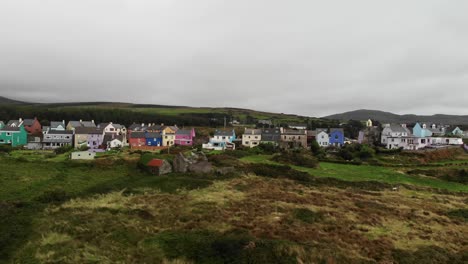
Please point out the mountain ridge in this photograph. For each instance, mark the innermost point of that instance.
(388, 117)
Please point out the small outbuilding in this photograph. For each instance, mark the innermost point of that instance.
(159, 167)
(82, 155)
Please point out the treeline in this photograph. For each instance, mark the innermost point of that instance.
(122, 116)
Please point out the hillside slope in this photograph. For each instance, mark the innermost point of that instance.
(387, 117)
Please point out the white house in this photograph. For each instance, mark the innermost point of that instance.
(407, 142)
(394, 131)
(251, 137)
(322, 138)
(117, 129)
(221, 140)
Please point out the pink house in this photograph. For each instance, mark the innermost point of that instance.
(184, 137)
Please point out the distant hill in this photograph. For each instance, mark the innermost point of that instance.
(4, 100)
(387, 117)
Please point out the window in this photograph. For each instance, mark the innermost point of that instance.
(8, 134)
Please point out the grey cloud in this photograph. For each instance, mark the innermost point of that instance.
(306, 57)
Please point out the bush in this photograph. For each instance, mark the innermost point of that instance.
(297, 158)
(461, 214)
(306, 215)
(278, 171)
(63, 149)
(6, 148)
(53, 196)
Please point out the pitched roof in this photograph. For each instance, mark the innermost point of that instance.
(60, 132)
(155, 163)
(89, 130)
(336, 130)
(251, 131)
(28, 122)
(1, 123)
(136, 127)
(152, 135)
(397, 128)
(88, 124)
(137, 135)
(13, 122)
(10, 129)
(110, 137)
(293, 132)
(55, 124)
(74, 124)
(183, 132)
(224, 133)
(311, 133)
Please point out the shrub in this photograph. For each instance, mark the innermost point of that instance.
(461, 214)
(306, 215)
(278, 171)
(6, 148)
(297, 158)
(53, 196)
(63, 149)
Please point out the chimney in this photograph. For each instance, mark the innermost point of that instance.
(110, 123)
(20, 120)
(63, 122)
(403, 125)
(162, 124)
(92, 121)
(142, 124)
(81, 120)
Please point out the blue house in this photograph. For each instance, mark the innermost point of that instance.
(153, 139)
(421, 131)
(337, 137)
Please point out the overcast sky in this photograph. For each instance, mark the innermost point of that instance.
(306, 57)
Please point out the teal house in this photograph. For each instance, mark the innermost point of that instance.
(14, 136)
(421, 131)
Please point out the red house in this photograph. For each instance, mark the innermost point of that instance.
(137, 139)
(32, 126)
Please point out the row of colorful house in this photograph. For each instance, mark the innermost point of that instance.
(30, 134)
(285, 138)
(420, 136)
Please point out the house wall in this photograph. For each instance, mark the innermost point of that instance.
(336, 138)
(80, 140)
(168, 139)
(323, 139)
(95, 141)
(249, 140)
(137, 142)
(155, 142)
(288, 141)
(82, 155)
(183, 140)
(35, 128)
(14, 138)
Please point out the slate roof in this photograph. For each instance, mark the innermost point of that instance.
(137, 135)
(55, 124)
(399, 128)
(88, 124)
(293, 132)
(137, 127)
(13, 122)
(88, 130)
(337, 130)
(155, 127)
(1, 123)
(75, 124)
(224, 133)
(28, 122)
(183, 132)
(57, 140)
(60, 132)
(251, 131)
(152, 135)
(311, 133)
(10, 129)
(271, 134)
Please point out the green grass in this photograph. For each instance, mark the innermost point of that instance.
(366, 173)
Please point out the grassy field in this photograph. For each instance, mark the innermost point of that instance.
(366, 173)
(107, 211)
